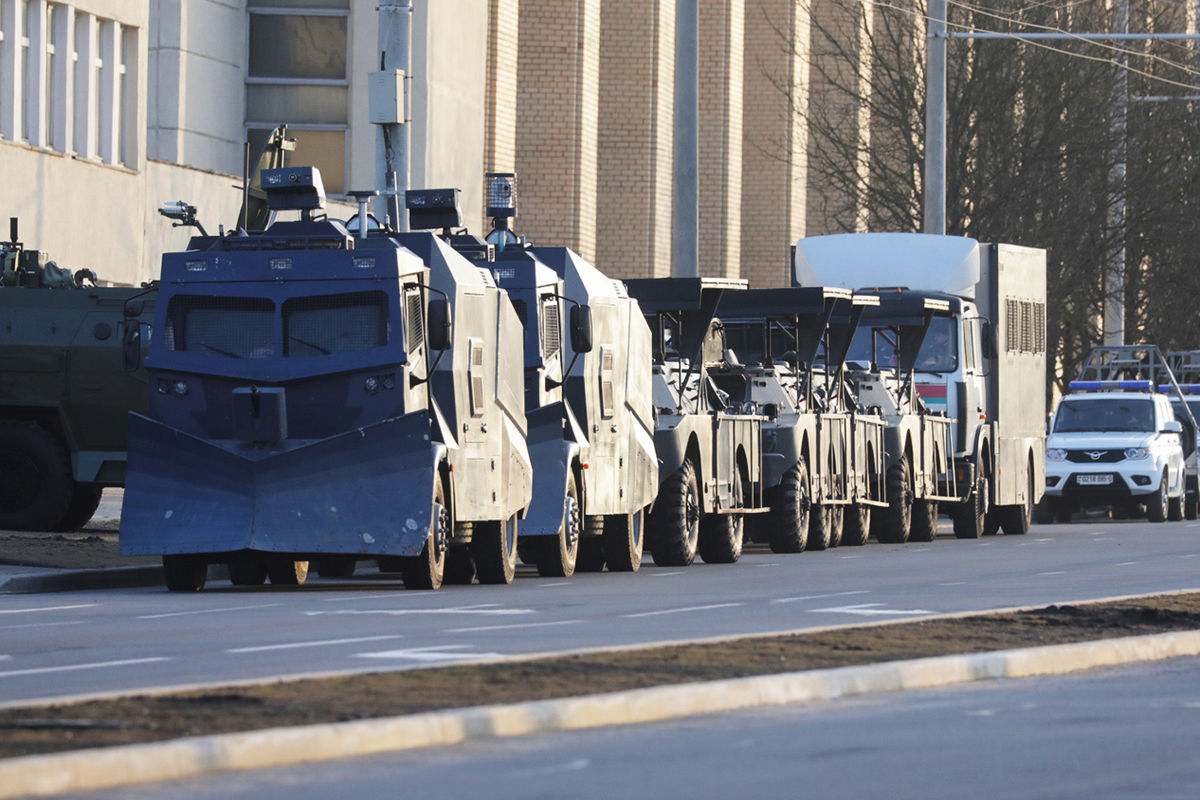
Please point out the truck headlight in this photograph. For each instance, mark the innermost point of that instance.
(1135, 453)
(1056, 454)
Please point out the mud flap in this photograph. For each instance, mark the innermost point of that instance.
(365, 492)
(551, 456)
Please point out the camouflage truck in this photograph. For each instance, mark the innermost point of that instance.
(920, 453)
(709, 452)
(823, 455)
(64, 395)
(318, 394)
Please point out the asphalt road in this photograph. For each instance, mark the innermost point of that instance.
(1119, 733)
(58, 645)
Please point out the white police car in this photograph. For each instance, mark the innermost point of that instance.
(1120, 449)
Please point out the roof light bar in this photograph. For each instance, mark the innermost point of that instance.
(1120, 386)
(1186, 388)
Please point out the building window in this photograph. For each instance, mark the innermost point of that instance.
(298, 75)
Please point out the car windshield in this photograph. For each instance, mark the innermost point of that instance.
(1105, 414)
(939, 351)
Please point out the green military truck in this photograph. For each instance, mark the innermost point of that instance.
(64, 395)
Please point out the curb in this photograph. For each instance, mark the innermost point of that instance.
(84, 579)
(83, 770)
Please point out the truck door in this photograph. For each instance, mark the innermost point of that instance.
(970, 389)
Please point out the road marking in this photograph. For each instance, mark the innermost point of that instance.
(556, 583)
(356, 598)
(982, 712)
(818, 596)
(556, 769)
(1125, 564)
(916, 549)
(403, 612)
(655, 574)
(320, 643)
(1189, 555)
(954, 583)
(869, 610)
(681, 610)
(208, 611)
(764, 566)
(849, 557)
(70, 667)
(1056, 572)
(509, 627)
(1043, 540)
(44, 608)
(4, 657)
(437, 653)
(39, 625)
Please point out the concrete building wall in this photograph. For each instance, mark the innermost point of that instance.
(557, 110)
(637, 55)
(720, 170)
(774, 169)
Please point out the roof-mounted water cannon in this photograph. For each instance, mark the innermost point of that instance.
(429, 209)
(184, 215)
(501, 207)
(294, 189)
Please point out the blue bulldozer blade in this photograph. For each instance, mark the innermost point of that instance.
(364, 492)
(551, 455)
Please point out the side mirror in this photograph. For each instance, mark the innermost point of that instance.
(988, 336)
(581, 329)
(439, 323)
(131, 344)
(1173, 426)
(134, 308)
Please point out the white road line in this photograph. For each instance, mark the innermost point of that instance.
(45, 608)
(555, 769)
(40, 625)
(954, 583)
(429, 653)
(819, 596)
(208, 611)
(869, 610)
(556, 583)
(848, 557)
(1125, 564)
(4, 657)
(1056, 572)
(1189, 555)
(71, 667)
(1043, 540)
(655, 574)
(681, 610)
(320, 643)
(508, 627)
(763, 566)
(404, 612)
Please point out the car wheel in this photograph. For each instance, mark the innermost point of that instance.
(1157, 503)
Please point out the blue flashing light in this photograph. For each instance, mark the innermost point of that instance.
(1143, 386)
(1121, 386)
(1083, 386)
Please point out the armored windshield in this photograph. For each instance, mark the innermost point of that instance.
(231, 327)
(939, 351)
(324, 325)
(1104, 414)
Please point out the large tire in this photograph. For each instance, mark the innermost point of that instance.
(1043, 512)
(820, 526)
(84, 502)
(1191, 506)
(556, 556)
(287, 572)
(970, 516)
(36, 489)
(924, 521)
(856, 526)
(721, 534)
(1175, 509)
(836, 518)
(494, 546)
(1156, 504)
(427, 570)
(623, 541)
(1015, 520)
(248, 569)
(895, 523)
(184, 573)
(675, 522)
(591, 546)
(460, 567)
(789, 513)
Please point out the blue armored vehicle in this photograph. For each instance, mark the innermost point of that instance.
(324, 395)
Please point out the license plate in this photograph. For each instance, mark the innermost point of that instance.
(1093, 480)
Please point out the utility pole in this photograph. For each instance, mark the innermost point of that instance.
(392, 138)
(935, 119)
(1114, 272)
(685, 215)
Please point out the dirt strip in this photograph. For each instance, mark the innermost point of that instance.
(47, 729)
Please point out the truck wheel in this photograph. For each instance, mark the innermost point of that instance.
(675, 523)
(83, 505)
(184, 573)
(556, 559)
(1015, 519)
(856, 526)
(1156, 504)
(1191, 506)
(721, 534)
(789, 512)
(334, 566)
(1043, 512)
(36, 490)
(287, 572)
(247, 570)
(494, 546)
(895, 522)
(820, 523)
(836, 518)
(427, 570)
(969, 516)
(591, 547)
(460, 569)
(623, 541)
(924, 521)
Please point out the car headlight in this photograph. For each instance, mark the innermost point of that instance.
(1056, 454)
(1135, 453)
